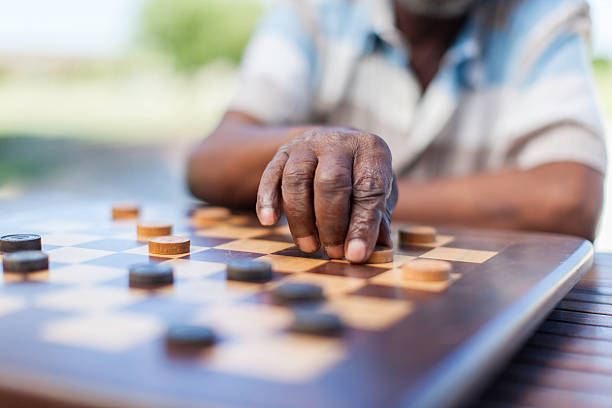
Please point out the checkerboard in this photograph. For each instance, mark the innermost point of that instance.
(79, 326)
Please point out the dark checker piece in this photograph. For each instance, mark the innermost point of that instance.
(249, 270)
(298, 292)
(20, 242)
(311, 322)
(151, 275)
(25, 261)
(190, 336)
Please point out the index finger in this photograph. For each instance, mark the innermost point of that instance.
(268, 194)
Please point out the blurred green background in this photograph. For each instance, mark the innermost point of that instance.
(81, 75)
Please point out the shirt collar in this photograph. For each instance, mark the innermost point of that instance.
(467, 46)
(383, 21)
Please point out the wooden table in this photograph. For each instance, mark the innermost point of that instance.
(78, 334)
(568, 361)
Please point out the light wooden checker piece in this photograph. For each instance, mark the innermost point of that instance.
(381, 255)
(417, 234)
(427, 270)
(125, 210)
(209, 216)
(169, 245)
(151, 229)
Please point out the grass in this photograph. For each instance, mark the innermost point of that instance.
(603, 78)
(132, 104)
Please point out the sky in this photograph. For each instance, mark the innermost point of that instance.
(106, 28)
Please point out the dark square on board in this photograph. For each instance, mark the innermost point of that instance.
(220, 255)
(350, 270)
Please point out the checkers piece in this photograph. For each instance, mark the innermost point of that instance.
(122, 211)
(25, 261)
(318, 323)
(249, 270)
(190, 336)
(20, 242)
(150, 275)
(169, 245)
(418, 234)
(381, 255)
(298, 293)
(427, 270)
(148, 229)
(209, 216)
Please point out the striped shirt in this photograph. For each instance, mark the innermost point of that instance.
(514, 91)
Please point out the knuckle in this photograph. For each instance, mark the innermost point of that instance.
(297, 178)
(375, 145)
(370, 185)
(334, 179)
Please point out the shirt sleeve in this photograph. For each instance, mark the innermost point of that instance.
(277, 72)
(550, 112)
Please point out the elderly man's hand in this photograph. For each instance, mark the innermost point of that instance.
(337, 189)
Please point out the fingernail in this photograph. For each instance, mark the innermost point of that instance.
(266, 216)
(356, 250)
(335, 252)
(307, 244)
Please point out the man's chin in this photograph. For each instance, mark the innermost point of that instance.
(438, 8)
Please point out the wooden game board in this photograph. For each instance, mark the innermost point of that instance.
(77, 333)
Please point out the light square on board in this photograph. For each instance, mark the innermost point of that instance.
(394, 278)
(84, 274)
(103, 332)
(58, 226)
(459, 254)
(231, 231)
(259, 246)
(10, 304)
(369, 313)
(292, 264)
(239, 220)
(332, 285)
(110, 244)
(211, 291)
(189, 269)
(398, 260)
(88, 299)
(74, 255)
(246, 319)
(288, 358)
(126, 235)
(66, 239)
(283, 230)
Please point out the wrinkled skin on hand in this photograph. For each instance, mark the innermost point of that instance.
(337, 189)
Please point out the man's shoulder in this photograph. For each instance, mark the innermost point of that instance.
(514, 31)
(520, 18)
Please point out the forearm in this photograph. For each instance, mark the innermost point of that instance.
(562, 197)
(225, 168)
